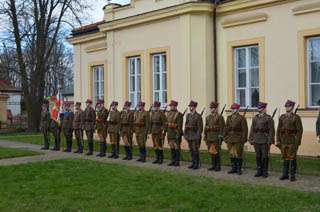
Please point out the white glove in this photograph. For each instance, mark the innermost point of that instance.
(318, 138)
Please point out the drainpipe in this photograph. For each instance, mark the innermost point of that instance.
(215, 59)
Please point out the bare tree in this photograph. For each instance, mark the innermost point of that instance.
(34, 26)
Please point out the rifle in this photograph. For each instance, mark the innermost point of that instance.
(202, 111)
(184, 112)
(274, 113)
(269, 155)
(295, 112)
(245, 112)
(150, 109)
(164, 133)
(243, 155)
(224, 107)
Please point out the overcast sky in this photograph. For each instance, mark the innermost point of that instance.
(97, 13)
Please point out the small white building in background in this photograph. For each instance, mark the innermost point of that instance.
(15, 94)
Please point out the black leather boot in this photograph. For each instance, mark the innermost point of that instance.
(218, 163)
(127, 153)
(160, 157)
(141, 156)
(285, 170)
(177, 162)
(233, 166)
(192, 161)
(90, 149)
(101, 150)
(78, 149)
(157, 156)
(213, 163)
(113, 146)
(239, 166)
(46, 144)
(81, 148)
(173, 157)
(68, 149)
(293, 170)
(265, 165)
(259, 167)
(196, 160)
(117, 152)
(144, 155)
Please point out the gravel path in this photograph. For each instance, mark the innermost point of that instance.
(303, 183)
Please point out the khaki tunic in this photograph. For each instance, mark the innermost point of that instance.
(67, 124)
(262, 130)
(45, 122)
(174, 126)
(126, 126)
(157, 126)
(213, 132)
(78, 120)
(141, 124)
(193, 130)
(235, 134)
(289, 134)
(90, 119)
(101, 121)
(113, 126)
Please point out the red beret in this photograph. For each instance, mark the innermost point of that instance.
(262, 105)
(156, 104)
(214, 105)
(89, 101)
(193, 104)
(290, 103)
(235, 106)
(127, 104)
(173, 103)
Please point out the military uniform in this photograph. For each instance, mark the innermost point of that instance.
(141, 126)
(262, 136)
(67, 129)
(101, 126)
(192, 133)
(213, 134)
(126, 128)
(113, 130)
(235, 135)
(89, 125)
(157, 125)
(174, 133)
(77, 126)
(45, 126)
(289, 134)
(56, 131)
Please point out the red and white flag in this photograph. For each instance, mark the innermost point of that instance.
(57, 108)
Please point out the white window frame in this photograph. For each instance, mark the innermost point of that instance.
(248, 76)
(309, 71)
(100, 81)
(136, 75)
(162, 70)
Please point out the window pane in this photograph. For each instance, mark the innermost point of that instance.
(241, 58)
(254, 56)
(164, 63)
(138, 97)
(254, 93)
(139, 83)
(242, 80)
(138, 66)
(132, 99)
(132, 72)
(254, 77)
(241, 97)
(315, 72)
(164, 97)
(156, 64)
(156, 82)
(132, 84)
(96, 88)
(96, 74)
(315, 95)
(156, 96)
(315, 49)
(102, 88)
(164, 81)
(101, 73)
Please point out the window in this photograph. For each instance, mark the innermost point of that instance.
(247, 76)
(98, 85)
(159, 66)
(134, 80)
(313, 71)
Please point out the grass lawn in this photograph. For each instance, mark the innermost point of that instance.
(13, 153)
(83, 185)
(306, 165)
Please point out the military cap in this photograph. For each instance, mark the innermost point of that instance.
(114, 103)
(67, 105)
(214, 105)
(78, 103)
(156, 104)
(290, 103)
(262, 105)
(235, 106)
(173, 103)
(193, 104)
(89, 101)
(100, 102)
(141, 104)
(44, 105)
(127, 104)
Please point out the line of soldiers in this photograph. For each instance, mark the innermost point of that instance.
(121, 125)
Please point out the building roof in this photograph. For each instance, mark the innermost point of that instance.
(90, 28)
(6, 87)
(68, 91)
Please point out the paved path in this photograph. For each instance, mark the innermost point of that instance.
(303, 183)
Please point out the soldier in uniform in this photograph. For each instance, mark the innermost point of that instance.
(101, 126)
(89, 122)
(192, 133)
(262, 136)
(77, 126)
(289, 135)
(235, 135)
(174, 132)
(141, 122)
(126, 127)
(213, 135)
(113, 129)
(45, 126)
(157, 125)
(56, 131)
(67, 126)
